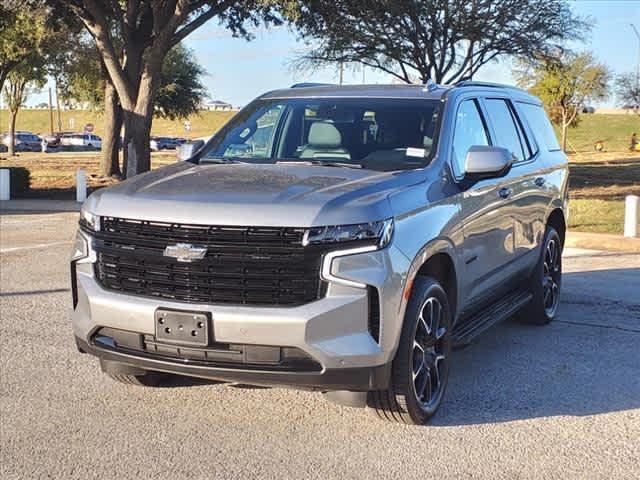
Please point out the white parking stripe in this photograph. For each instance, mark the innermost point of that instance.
(33, 247)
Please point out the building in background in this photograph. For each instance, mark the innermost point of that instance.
(218, 106)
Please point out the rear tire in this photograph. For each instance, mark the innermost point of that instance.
(151, 379)
(421, 367)
(545, 282)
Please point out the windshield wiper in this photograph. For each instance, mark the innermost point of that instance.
(219, 160)
(322, 163)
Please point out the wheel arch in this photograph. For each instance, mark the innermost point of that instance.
(437, 259)
(556, 220)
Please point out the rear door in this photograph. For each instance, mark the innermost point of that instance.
(488, 247)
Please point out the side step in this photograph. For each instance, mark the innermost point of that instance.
(470, 328)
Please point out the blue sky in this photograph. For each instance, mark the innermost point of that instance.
(239, 70)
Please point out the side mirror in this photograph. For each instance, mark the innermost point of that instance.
(487, 162)
(189, 149)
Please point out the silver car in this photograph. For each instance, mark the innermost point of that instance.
(339, 239)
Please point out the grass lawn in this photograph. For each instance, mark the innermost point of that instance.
(596, 215)
(37, 121)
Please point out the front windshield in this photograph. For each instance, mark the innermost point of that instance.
(377, 134)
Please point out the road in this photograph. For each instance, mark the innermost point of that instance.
(561, 401)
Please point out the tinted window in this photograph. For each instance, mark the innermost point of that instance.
(469, 131)
(504, 128)
(377, 134)
(541, 126)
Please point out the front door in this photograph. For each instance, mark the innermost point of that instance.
(488, 247)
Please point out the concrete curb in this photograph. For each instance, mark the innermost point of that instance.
(39, 206)
(602, 241)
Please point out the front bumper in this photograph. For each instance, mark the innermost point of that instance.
(359, 379)
(333, 331)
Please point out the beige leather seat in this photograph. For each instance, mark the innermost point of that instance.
(325, 141)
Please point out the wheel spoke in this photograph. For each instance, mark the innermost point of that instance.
(420, 383)
(436, 367)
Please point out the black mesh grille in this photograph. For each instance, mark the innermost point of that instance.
(242, 266)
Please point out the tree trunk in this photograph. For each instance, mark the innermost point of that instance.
(3, 76)
(113, 118)
(12, 132)
(564, 137)
(137, 124)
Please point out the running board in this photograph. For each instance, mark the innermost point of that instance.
(470, 328)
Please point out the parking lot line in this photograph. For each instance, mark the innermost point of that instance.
(33, 247)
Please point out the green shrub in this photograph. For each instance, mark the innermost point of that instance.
(20, 180)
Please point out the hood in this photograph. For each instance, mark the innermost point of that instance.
(253, 194)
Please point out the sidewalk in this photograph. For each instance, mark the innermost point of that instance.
(38, 206)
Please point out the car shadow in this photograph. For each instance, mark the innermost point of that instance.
(586, 362)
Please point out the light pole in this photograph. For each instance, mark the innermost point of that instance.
(635, 30)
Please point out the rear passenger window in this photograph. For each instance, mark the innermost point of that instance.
(541, 126)
(469, 131)
(504, 127)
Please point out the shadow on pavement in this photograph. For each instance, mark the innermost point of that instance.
(586, 362)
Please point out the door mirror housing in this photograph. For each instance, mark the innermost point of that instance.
(189, 149)
(487, 162)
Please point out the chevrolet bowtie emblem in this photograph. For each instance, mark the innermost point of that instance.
(185, 252)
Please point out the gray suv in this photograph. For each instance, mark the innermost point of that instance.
(338, 239)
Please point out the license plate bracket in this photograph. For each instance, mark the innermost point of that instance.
(182, 328)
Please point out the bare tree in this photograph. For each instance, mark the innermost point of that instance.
(628, 91)
(441, 40)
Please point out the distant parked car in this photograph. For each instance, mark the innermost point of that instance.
(24, 141)
(87, 140)
(164, 143)
(54, 139)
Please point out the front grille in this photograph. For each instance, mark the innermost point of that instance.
(242, 266)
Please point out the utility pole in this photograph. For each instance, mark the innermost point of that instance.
(341, 71)
(50, 111)
(58, 106)
(635, 30)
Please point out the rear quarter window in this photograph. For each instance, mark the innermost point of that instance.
(540, 125)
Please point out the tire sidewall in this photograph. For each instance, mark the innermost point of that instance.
(538, 278)
(423, 289)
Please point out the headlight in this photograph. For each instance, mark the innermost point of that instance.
(378, 233)
(80, 247)
(89, 220)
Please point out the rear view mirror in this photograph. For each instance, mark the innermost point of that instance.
(189, 149)
(487, 162)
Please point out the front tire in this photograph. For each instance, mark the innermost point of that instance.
(545, 282)
(421, 368)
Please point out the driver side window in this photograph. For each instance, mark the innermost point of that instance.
(469, 131)
(256, 141)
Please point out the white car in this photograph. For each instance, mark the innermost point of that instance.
(88, 140)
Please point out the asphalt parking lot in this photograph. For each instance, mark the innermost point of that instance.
(561, 401)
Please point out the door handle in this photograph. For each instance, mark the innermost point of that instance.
(505, 192)
(540, 181)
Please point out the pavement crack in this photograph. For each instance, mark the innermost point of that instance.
(599, 325)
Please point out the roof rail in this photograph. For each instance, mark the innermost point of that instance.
(474, 83)
(311, 84)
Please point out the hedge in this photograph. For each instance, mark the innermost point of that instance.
(20, 180)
